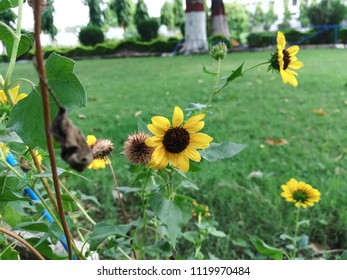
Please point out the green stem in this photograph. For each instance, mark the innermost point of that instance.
(215, 86)
(255, 66)
(22, 80)
(125, 254)
(10, 166)
(296, 232)
(198, 248)
(16, 40)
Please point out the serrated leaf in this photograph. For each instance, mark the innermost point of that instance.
(10, 137)
(216, 233)
(172, 214)
(11, 196)
(217, 151)
(7, 4)
(25, 43)
(265, 249)
(33, 227)
(26, 118)
(103, 230)
(205, 70)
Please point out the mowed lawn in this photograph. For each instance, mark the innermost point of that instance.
(243, 193)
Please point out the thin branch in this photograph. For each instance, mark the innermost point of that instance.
(47, 121)
(24, 242)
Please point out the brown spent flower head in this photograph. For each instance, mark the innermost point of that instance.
(24, 165)
(102, 148)
(135, 149)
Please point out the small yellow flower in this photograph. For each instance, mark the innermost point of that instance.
(176, 143)
(300, 193)
(200, 210)
(101, 148)
(283, 59)
(4, 149)
(39, 157)
(14, 92)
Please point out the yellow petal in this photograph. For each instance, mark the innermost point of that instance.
(296, 64)
(193, 120)
(195, 127)
(293, 50)
(14, 92)
(288, 76)
(192, 154)
(3, 97)
(281, 40)
(200, 140)
(20, 97)
(91, 140)
(161, 122)
(183, 162)
(158, 153)
(156, 130)
(153, 141)
(177, 117)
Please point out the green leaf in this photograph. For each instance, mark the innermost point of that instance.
(104, 230)
(33, 227)
(205, 70)
(10, 137)
(172, 214)
(25, 43)
(26, 118)
(217, 151)
(9, 254)
(7, 4)
(343, 256)
(191, 236)
(48, 174)
(194, 107)
(189, 185)
(142, 126)
(235, 74)
(265, 249)
(11, 196)
(286, 237)
(216, 233)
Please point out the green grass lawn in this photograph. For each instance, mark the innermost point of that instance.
(253, 108)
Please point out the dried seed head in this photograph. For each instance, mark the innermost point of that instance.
(102, 148)
(135, 149)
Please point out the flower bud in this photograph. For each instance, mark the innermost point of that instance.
(219, 51)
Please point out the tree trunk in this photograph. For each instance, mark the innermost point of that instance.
(219, 19)
(195, 27)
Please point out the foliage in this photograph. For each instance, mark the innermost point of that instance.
(270, 17)
(91, 35)
(95, 13)
(123, 11)
(258, 16)
(141, 12)
(166, 15)
(286, 16)
(148, 29)
(178, 13)
(8, 17)
(48, 20)
(303, 18)
(326, 12)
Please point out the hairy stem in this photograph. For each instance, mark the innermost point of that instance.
(296, 232)
(47, 121)
(24, 242)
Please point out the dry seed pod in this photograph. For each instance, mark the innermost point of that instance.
(74, 148)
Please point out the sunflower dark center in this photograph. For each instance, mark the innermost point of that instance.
(300, 196)
(176, 139)
(286, 59)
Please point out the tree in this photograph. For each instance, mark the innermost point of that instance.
(167, 16)
(258, 17)
(123, 11)
(95, 13)
(178, 12)
(326, 12)
(141, 12)
(303, 18)
(195, 27)
(218, 19)
(287, 16)
(270, 17)
(48, 26)
(239, 21)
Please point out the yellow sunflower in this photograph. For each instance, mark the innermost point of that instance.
(300, 193)
(283, 59)
(99, 159)
(176, 144)
(14, 92)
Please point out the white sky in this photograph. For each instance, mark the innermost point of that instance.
(74, 13)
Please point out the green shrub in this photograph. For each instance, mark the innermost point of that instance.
(91, 35)
(216, 39)
(260, 39)
(343, 36)
(148, 29)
